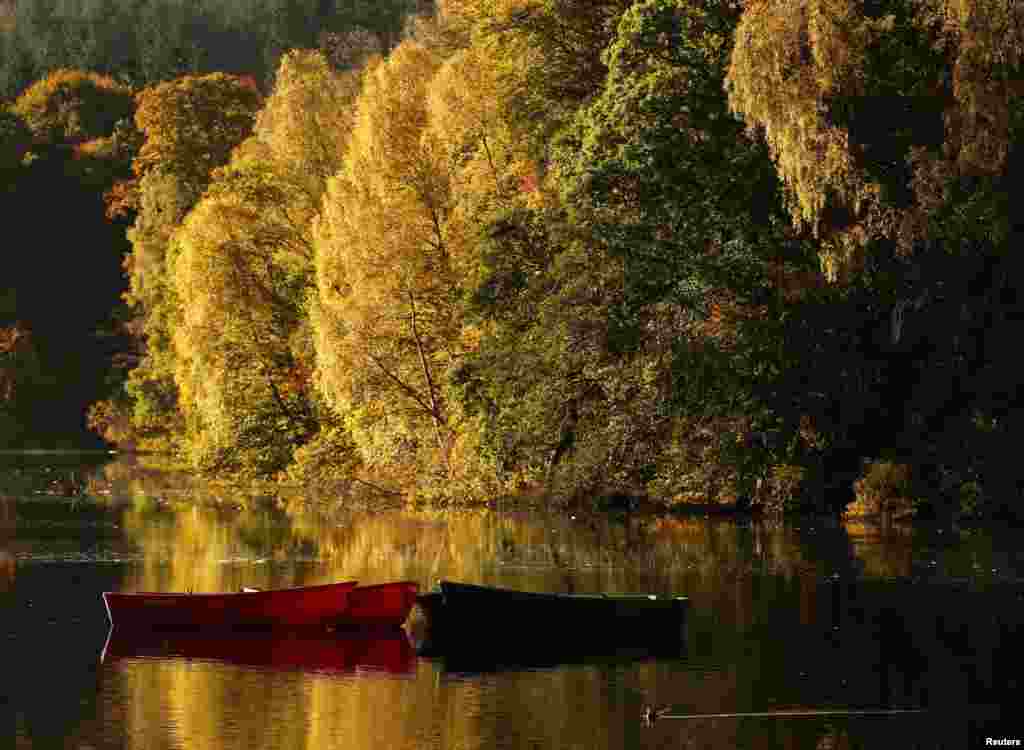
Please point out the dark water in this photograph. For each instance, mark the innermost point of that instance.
(784, 617)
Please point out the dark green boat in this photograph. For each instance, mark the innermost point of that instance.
(463, 616)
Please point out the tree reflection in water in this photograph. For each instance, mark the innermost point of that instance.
(784, 616)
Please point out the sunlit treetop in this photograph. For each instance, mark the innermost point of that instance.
(307, 117)
(192, 123)
(73, 106)
(802, 70)
(547, 53)
(789, 57)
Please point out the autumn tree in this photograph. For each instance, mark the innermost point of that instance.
(551, 53)
(384, 315)
(243, 267)
(424, 175)
(190, 126)
(73, 106)
(307, 118)
(818, 77)
(242, 263)
(615, 299)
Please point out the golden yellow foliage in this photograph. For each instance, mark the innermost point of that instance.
(243, 259)
(242, 270)
(192, 123)
(463, 102)
(307, 117)
(793, 61)
(384, 315)
(787, 58)
(429, 159)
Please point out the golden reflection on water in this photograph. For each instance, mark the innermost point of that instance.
(770, 625)
(886, 551)
(175, 702)
(736, 572)
(185, 546)
(182, 704)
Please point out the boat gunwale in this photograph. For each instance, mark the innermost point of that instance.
(407, 584)
(348, 585)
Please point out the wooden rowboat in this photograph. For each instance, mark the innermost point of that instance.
(332, 605)
(344, 652)
(294, 607)
(385, 605)
(460, 615)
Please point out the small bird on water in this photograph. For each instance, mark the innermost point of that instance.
(650, 714)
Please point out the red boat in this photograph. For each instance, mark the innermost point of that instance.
(332, 605)
(385, 605)
(379, 651)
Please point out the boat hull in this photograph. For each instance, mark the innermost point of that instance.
(307, 606)
(461, 615)
(382, 606)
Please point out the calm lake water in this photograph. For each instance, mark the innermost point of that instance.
(807, 616)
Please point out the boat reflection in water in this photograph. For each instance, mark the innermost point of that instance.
(531, 630)
(342, 651)
(475, 658)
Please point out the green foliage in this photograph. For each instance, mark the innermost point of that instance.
(634, 319)
(145, 42)
(972, 500)
(662, 176)
(550, 56)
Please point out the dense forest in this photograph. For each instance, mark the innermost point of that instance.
(756, 252)
(143, 42)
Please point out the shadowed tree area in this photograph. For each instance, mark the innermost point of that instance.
(63, 258)
(895, 128)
